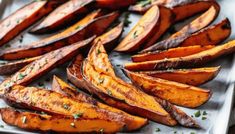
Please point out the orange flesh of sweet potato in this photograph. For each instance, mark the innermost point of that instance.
(12, 67)
(75, 33)
(114, 4)
(195, 77)
(170, 53)
(23, 18)
(141, 31)
(211, 35)
(58, 123)
(176, 93)
(184, 62)
(63, 15)
(56, 104)
(179, 7)
(101, 80)
(165, 21)
(41, 66)
(132, 122)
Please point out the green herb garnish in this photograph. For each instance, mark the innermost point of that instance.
(76, 116)
(1, 126)
(98, 51)
(65, 106)
(126, 19)
(204, 118)
(204, 113)
(197, 114)
(135, 34)
(157, 130)
(144, 3)
(21, 76)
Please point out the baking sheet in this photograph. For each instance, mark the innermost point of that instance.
(218, 107)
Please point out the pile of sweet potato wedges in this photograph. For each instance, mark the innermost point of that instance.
(163, 73)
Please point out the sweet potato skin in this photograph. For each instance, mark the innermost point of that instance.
(69, 36)
(176, 93)
(41, 66)
(184, 62)
(56, 104)
(114, 4)
(170, 53)
(138, 35)
(63, 15)
(211, 35)
(132, 122)
(47, 123)
(194, 77)
(179, 7)
(12, 67)
(23, 18)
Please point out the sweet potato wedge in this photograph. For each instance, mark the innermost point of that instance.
(170, 53)
(145, 27)
(12, 67)
(195, 76)
(166, 20)
(176, 93)
(79, 31)
(114, 4)
(56, 104)
(63, 15)
(132, 122)
(41, 66)
(58, 123)
(178, 7)
(104, 68)
(108, 39)
(184, 62)
(211, 35)
(23, 18)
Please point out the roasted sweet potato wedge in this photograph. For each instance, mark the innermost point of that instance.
(195, 76)
(44, 64)
(58, 123)
(56, 104)
(12, 67)
(211, 35)
(23, 18)
(114, 4)
(132, 122)
(63, 15)
(184, 62)
(144, 29)
(178, 7)
(79, 31)
(176, 93)
(103, 69)
(108, 39)
(170, 53)
(165, 21)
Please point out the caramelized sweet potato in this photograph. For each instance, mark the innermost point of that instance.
(63, 15)
(114, 4)
(170, 53)
(144, 29)
(58, 123)
(182, 9)
(108, 39)
(23, 18)
(211, 35)
(44, 64)
(79, 31)
(132, 122)
(12, 67)
(184, 62)
(56, 104)
(176, 93)
(114, 91)
(195, 76)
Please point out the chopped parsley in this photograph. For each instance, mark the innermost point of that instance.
(98, 51)
(135, 34)
(197, 114)
(192, 133)
(204, 118)
(1, 126)
(76, 116)
(78, 27)
(157, 130)
(24, 119)
(126, 19)
(204, 113)
(21, 76)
